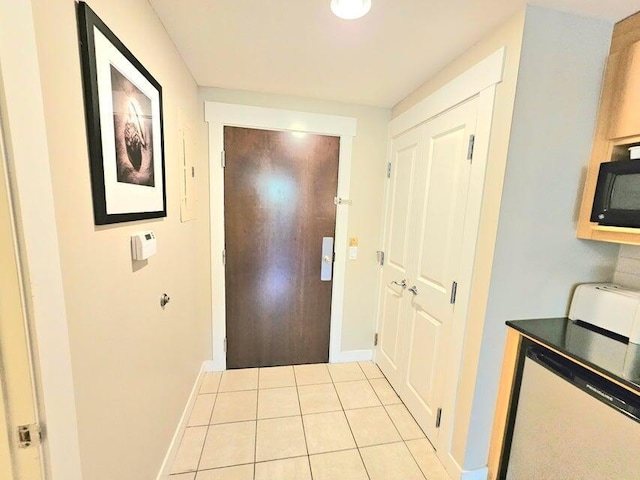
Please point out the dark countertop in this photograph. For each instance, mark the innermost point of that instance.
(613, 357)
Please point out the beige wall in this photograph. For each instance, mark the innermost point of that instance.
(366, 212)
(133, 363)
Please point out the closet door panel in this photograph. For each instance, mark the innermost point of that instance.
(421, 374)
(399, 263)
(440, 205)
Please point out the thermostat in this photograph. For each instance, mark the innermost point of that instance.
(143, 245)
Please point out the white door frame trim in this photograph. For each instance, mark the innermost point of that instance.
(480, 80)
(484, 74)
(220, 114)
(32, 191)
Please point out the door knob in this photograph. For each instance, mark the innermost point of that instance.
(326, 259)
(414, 290)
(402, 283)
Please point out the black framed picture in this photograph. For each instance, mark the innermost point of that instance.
(123, 104)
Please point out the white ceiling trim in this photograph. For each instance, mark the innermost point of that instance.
(270, 119)
(484, 74)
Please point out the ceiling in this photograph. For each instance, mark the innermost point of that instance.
(298, 47)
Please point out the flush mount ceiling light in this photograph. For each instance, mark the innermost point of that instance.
(350, 9)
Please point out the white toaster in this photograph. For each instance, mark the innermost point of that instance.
(608, 306)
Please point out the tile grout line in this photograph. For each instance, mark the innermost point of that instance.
(304, 431)
(255, 441)
(415, 460)
(290, 457)
(383, 405)
(394, 423)
(308, 455)
(366, 470)
(206, 435)
(186, 428)
(227, 423)
(386, 408)
(286, 416)
(298, 414)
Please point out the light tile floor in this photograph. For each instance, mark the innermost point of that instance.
(303, 422)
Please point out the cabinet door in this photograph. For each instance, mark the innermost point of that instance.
(426, 208)
(622, 83)
(617, 127)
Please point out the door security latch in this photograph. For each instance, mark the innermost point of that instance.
(28, 435)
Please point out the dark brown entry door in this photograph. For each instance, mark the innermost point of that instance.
(279, 190)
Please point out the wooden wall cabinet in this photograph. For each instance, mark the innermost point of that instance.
(617, 127)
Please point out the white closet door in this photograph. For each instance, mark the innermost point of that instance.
(405, 153)
(441, 202)
(415, 325)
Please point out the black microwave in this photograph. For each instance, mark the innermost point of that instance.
(617, 199)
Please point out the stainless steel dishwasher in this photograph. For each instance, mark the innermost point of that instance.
(571, 424)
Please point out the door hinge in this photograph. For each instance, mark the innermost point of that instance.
(225, 345)
(375, 340)
(380, 255)
(224, 256)
(223, 159)
(472, 141)
(454, 291)
(28, 435)
(389, 170)
(438, 418)
(193, 172)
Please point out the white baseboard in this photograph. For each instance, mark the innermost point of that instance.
(211, 366)
(353, 356)
(219, 360)
(207, 366)
(456, 472)
(479, 474)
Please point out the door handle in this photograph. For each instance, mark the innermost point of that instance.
(414, 290)
(326, 262)
(402, 284)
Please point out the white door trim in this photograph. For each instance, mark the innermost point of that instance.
(220, 114)
(480, 80)
(29, 172)
(484, 74)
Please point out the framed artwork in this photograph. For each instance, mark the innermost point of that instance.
(123, 106)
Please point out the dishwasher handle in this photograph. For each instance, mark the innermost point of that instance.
(598, 387)
(552, 362)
